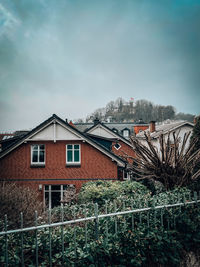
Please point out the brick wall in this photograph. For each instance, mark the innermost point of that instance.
(94, 165)
(124, 148)
(139, 128)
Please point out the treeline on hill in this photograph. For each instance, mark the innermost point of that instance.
(122, 111)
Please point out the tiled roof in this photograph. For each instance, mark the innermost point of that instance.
(19, 141)
(119, 126)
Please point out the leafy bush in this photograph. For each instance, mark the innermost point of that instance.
(157, 238)
(100, 191)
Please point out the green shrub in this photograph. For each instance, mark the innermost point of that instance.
(146, 243)
(101, 191)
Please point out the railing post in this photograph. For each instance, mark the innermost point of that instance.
(6, 241)
(85, 214)
(96, 221)
(115, 210)
(36, 241)
(132, 216)
(195, 197)
(153, 207)
(75, 250)
(50, 248)
(124, 207)
(106, 210)
(22, 240)
(62, 234)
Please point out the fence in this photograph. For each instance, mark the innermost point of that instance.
(160, 215)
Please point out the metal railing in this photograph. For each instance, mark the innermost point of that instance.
(96, 217)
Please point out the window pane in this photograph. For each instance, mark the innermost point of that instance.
(42, 147)
(65, 187)
(76, 146)
(47, 199)
(55, 187)
(41, 156)
(126, 133)
(35, 147)
(46, 187)
(69, 155)
(55, 199)
(76, 155)
(35, 156)
(69, 146)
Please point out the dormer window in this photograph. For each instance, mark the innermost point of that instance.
(126, 133)
(115, 130)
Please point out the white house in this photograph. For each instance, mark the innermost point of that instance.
(178, 127)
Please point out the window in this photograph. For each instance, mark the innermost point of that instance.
(38, 155)
(126, 175)
(126, 133)
(117, 146)
(115, 130)
(54, 195)
(73, 155)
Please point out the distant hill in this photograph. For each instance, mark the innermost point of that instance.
(122, 111)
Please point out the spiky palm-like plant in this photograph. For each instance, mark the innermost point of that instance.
(172, 165)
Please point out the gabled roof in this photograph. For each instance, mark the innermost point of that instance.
(55, 119)
(165, 129)
(113, 133)
(119, 126)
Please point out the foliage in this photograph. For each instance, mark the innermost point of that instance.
(100, 191)
(173, 166)
(195, 186)
(15, 199)
(152, 238)
(121, 111)
(196, 134)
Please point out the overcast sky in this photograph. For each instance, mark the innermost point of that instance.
(72, 57)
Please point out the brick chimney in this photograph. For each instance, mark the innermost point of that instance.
(71, 123)
(96, 121)
(152, 126)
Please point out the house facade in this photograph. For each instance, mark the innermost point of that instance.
(124, 129)
(119, 145)
(179, 128)
(55, 156)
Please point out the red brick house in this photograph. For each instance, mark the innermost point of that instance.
(55, 155)
(119, 145)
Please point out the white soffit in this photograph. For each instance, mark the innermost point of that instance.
(54, 132)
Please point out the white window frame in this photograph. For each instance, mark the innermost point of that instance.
(38, 162)
(127, 174)
(50, 191)
(116, 147)
(126, 131)
(73, 162)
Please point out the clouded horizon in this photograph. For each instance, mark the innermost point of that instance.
(72, 57)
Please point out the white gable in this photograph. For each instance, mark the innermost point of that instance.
(54, 132)
(100, 131)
